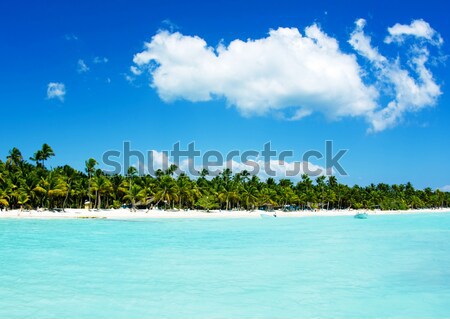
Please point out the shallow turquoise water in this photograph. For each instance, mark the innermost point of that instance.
(326, 267)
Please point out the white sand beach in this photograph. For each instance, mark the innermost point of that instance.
(127, 214)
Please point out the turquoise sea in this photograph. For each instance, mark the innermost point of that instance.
(318, 267)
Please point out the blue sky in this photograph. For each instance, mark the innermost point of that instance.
(89, 48)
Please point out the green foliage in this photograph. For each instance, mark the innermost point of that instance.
(23, 184)
(207, 203)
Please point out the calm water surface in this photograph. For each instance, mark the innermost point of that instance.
(326, 267)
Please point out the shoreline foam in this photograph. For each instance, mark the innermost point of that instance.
(127, 214)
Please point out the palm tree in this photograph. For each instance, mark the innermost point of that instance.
(166, 190)
(14, 158)
(37, 157)
(320, 182)
(206, 202)
(204, 172)
(46, 153)
(4, 198)
(68, 176)
(202, 182)
(22, 199)
(24, 184)
(28, 184)
(250, 194)
(134, 194)
(226, 175)
(184, 187)
(131, 173)
(79, 190)
(147, 183)
(119, 189)
(101, 185)
(171, 170)
(227, 193)
(90, 168)
(50, 188)
(245, 175)
(267, 196)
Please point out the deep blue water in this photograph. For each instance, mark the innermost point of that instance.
(325, 267)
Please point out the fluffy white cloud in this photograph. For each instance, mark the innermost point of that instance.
(288, 73)
(445, 188)
(410, 91)
(282, 70)
(82, 66)
(417, 28)
(56, 90)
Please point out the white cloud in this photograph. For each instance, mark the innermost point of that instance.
(417, 28)
(168, 24)
(287, 74)
(411, 91)
(280, 169)
(98, 60)
(362, 43)
(129, 78)
(445, 188)
(135, 70)
(277, 169)
(70, 37)
(82, 66)
(282, 70)
(56, 90)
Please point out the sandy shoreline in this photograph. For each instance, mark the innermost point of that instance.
(127, 214)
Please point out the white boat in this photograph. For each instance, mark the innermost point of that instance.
(361, 216)
(267, 215)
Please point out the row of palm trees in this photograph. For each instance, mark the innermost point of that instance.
(24, 185)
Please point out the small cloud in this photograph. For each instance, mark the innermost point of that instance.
(82, 66)
(129, 78)
(99, 60)
(135, 70)
(108, 80)
(445, 188)
(56, 90)
(417, 28)
(70, 37)
(169, 25)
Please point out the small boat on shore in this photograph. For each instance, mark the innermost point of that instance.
(268, 215)
(361, 216)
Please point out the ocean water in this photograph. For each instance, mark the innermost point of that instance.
(319, 267)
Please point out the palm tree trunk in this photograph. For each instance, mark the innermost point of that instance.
(99, 201)
(159, 200)
(89, 192)
(67, 196)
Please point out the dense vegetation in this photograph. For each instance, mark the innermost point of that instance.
(27, 185)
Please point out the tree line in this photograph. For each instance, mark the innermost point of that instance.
(30, 185)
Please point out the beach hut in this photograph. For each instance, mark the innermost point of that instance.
(268, 207)
(87, 205)
(144, 203)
